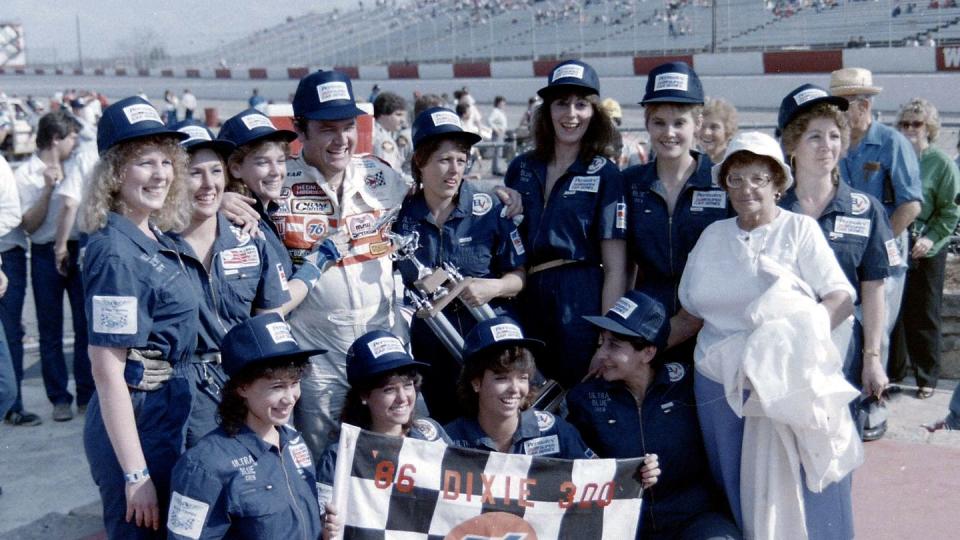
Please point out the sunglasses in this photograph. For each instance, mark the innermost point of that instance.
(912, 125)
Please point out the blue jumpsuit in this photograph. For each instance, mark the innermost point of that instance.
(659, 241)
(138, 296)
(684, 503)
(272, 236)
(482, 244)
(242, 487)
(585, 207)
(539, 434)
(244, 276)
(858, 231)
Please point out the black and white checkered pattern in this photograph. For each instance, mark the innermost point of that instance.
(424, 510)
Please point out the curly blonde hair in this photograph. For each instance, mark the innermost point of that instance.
(101, 196)
(926, 111)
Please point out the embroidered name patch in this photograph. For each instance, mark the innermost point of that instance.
(280, 332)
(542, 446)
(624, 307)
(253, 121)
(587, 184)
(849, 225)
(807, 95)
(671, 81)
(501, 332)
(445, 118)
(569, 71)
(709, 199)
(332, 91)
(385, 345)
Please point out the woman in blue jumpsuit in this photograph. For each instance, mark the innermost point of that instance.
(815, 134)
(141, 313)
(384, 383)
(639, 394)
(671, 199)
(575, 220)
(257, 167)
(253, 477)
(234, 273)
(462, 226)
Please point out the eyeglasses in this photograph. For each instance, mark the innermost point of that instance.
(914, 125)
(737, 181)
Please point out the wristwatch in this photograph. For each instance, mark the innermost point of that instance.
(135, 477)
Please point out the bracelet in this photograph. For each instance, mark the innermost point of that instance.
(137, 476)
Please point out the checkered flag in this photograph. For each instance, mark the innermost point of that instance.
(398, 487)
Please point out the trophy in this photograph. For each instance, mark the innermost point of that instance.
(434, 289)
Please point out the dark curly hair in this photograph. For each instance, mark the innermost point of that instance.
(357, 413)
(233, 408)
(599, 140)
(497, 360)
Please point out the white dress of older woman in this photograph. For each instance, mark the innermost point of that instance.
(721, 279)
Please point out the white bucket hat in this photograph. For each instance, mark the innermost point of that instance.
(756, 143)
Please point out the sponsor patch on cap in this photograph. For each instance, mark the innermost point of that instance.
(280, 332)
(569, 71)
(624, 307)
(671, 81)
(445, 118)
(386, 345)
(807, 95)
(196, 133)
(141, 113)
(254, 121)
(501, 332)
(332, 91)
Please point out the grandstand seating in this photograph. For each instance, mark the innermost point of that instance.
(494, 30)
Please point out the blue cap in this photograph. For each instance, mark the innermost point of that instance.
(571, 75)
(497, 332)
(128, 119)
(325, 95)
(637, 315)
(252, 125)
(439, 121)
(201, 137)
(377, 352)
(264, 339)
(803, 98)
(673, 82)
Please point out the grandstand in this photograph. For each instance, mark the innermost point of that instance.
(444, 31)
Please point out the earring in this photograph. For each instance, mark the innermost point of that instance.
(777, 195)
(363, 402)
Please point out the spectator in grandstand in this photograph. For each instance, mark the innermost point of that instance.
(390, 116)
(672, 199)
(460, 225)
(37, 179)
(575, 220)
(214, 494)
(880, 162)
(779, 263)
(498, 127)
(719, 126)
(917, 332)
(638, 392)
(814, 136)
(141, 312)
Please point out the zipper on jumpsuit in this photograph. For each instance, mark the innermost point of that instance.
(293, 499)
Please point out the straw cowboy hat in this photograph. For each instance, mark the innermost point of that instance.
(853, 82)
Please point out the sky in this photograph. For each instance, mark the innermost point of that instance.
(186, 25)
